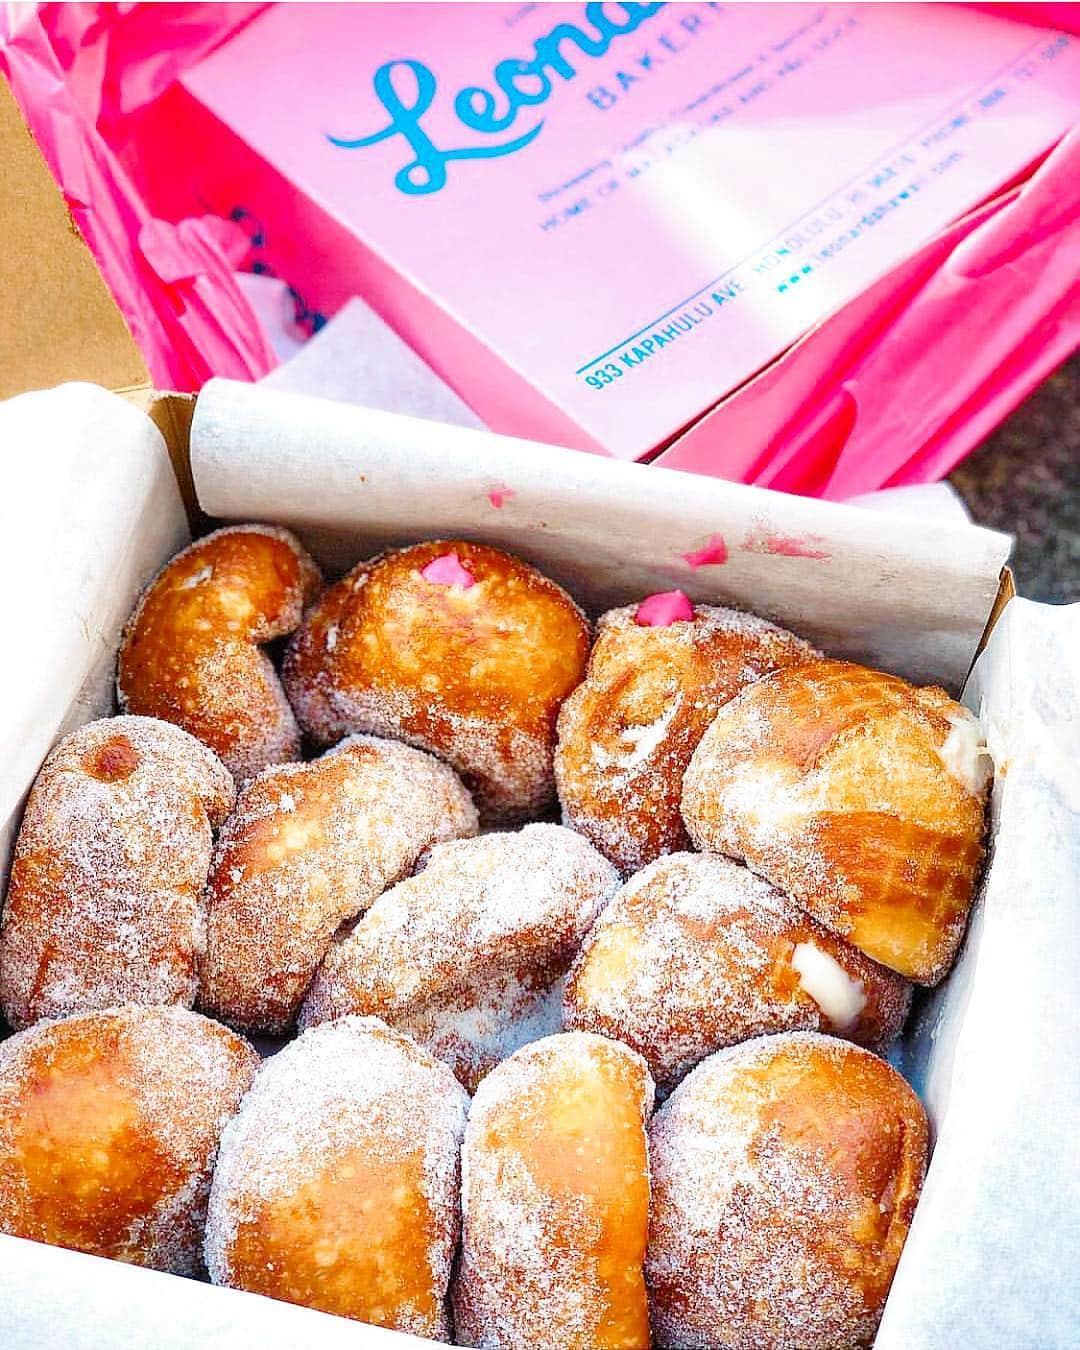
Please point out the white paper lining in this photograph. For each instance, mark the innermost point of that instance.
(51, 1299)
(88, 510)
(910, 594)
(357, 358)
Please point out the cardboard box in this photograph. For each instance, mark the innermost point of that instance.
(51, 1298)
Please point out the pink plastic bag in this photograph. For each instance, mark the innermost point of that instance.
(76, 70)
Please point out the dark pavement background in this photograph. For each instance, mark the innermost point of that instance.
(1026, 480)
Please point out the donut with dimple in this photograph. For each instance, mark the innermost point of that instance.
(338, 1182)
(626, 734)
(696, 953)
(104, 903)
(785, 1173)
(192, 652)
(308, 848)
(860, 796)
(467, 955)
(555, 1200)
(457, 648)
(109, 1128)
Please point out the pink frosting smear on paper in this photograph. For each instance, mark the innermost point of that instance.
(500, 494)
(663, 609)
(787, 545)
(712, 555)
(447, 570)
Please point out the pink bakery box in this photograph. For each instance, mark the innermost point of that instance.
(886, 226)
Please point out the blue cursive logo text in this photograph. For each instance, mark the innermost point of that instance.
(407, 89)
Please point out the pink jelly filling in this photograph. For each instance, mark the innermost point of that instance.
(447, 571)
(663, 609)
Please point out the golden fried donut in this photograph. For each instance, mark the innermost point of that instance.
(104, 904)
(454, 647)
(337, 1185)
(860, 795)
(785, 1173)
(191, 652)
(695, 953)
(308, 848)
(627, 732)
(466, 956)
(109, 1127)
(555, 1200)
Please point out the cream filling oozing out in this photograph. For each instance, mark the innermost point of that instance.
(965, 755)
(838, 996)
(643, 740)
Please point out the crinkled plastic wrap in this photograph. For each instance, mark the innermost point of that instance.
(907, 336)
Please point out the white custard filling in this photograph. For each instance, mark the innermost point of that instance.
(838, 996)
(965, 755)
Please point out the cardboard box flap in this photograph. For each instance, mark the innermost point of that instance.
(69, 327)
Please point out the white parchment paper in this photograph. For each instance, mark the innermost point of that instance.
(357, 358)
(910, 594)
(89, 509)
(51, 1299)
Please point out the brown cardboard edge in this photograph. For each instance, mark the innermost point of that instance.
(1006, 591)
(172, 415)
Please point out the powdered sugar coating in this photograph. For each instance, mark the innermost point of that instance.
(695, 953)
(109, 1128)
(785, 1172)
(473, 674)
(191, 652)
(555, 1197)
(338, 1182)
(828, 780)
(308, 848)
(627, 732)
(465, 956)
(104, 903)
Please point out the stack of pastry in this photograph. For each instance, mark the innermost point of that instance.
(760, 851)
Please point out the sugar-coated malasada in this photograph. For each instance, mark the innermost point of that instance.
(193, 653)
(457, 648)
